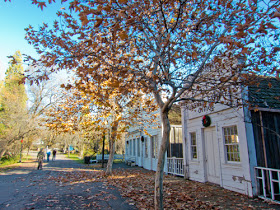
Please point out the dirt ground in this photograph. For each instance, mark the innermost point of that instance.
(65, 184)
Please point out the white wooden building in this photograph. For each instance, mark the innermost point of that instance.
(142, 146)
(240, 149)
(217, 153)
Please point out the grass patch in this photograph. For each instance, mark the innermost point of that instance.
(9, 161)
(118, 161)
(75, 157)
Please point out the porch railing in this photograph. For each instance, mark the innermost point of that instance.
(268, 183)
(175, 166)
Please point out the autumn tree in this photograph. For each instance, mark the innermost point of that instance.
(197, 51)
(97, 107)
(14, 118)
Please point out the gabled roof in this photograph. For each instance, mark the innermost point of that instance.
(265, 93)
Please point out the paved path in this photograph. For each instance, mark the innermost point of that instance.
(60, 185)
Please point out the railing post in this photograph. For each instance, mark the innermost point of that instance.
(263, 183)
(271, 185)
(174, 165)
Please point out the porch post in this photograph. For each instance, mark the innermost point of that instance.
(184, 140)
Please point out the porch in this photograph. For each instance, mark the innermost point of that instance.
(268, 183)
(175, 166)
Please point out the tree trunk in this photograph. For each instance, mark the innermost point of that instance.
(158, 195)
(112, 140)
(111, 157)
(2, 152)
(82, 151)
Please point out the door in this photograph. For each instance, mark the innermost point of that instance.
(212, 161)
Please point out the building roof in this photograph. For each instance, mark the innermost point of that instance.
(265, 93)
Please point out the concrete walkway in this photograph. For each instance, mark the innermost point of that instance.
(25, 187)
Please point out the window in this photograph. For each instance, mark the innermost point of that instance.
(175, 147)
(231, 143)
(146, 147)
(127, 147)
(138, 147)
(193, 145)
(154, 141)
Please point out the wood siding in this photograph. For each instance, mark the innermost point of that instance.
(268, 143)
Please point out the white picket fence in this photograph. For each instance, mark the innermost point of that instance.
(268, 183)
(175, 166)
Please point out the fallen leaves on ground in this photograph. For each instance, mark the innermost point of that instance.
(138, 186)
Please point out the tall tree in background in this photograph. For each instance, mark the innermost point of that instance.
(200, 51)
(13, 114)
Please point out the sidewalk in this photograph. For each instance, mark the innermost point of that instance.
(66, 184)
(62, 184)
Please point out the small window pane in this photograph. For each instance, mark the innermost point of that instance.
(193, 145)
(231, 143)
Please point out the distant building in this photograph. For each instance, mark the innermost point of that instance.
(142, 144)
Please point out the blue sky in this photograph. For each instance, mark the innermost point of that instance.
(14, 17)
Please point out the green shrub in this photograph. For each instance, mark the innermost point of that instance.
(8, 160)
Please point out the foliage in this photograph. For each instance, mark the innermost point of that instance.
(14, 119)
(8, 160)
(203, 52)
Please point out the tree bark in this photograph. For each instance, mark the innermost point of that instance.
(158, 195)
(2, 152)
(112, 140)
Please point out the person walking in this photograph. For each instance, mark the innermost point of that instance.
(40, 158)
(48, 155)
(54, 154)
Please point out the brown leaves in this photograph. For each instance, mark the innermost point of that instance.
(123, 1)
(123, 35)
(98, 22)
(84, 19)
(276, 15)
(226, 39)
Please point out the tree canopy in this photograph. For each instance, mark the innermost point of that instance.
(13, 111)
(198, 51)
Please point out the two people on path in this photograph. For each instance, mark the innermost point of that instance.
(40, 158)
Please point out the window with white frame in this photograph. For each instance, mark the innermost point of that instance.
(231, 141)
(193, 144)
(138, 147)
(146, 147)
(154, 148)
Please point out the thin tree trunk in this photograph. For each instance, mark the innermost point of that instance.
(112, 140)
(158, 194)
(82, 150)
(2, 152)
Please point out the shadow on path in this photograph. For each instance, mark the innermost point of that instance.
(62, 184)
